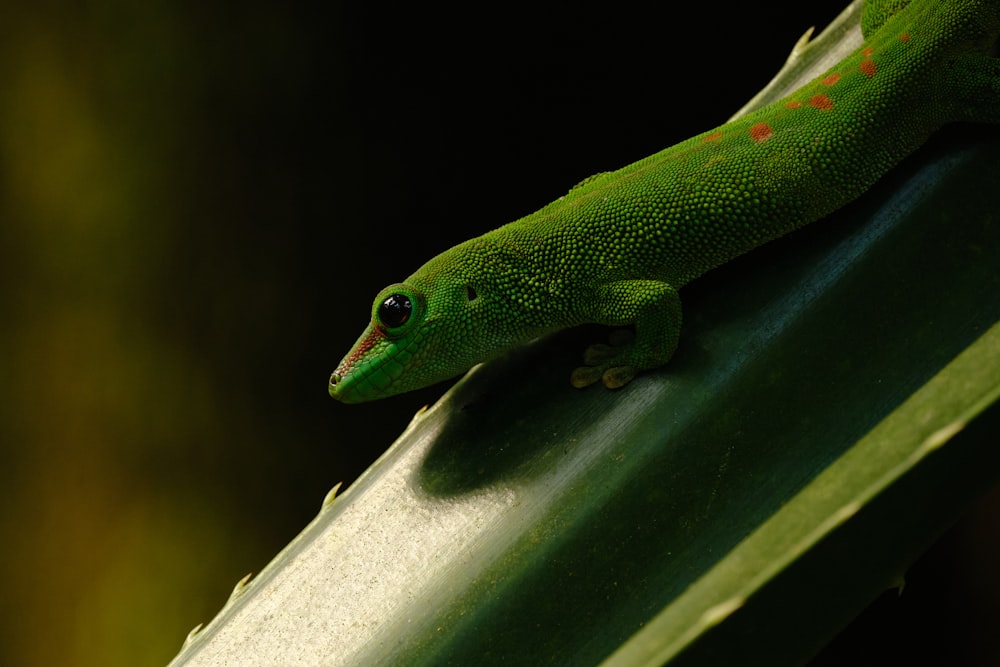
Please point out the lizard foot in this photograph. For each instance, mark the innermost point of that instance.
(600, 364)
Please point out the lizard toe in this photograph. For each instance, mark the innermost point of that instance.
(597, 354)
(618, 376)
(584, 376)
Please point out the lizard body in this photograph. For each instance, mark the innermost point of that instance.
(617, 247)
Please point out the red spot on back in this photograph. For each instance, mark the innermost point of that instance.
(761, 132)
(793, 104)
(868, 67)
(830, 80)
(712, 137)
(867, 51)
(821, 102)
(905, 37)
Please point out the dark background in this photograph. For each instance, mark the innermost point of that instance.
(198, 203)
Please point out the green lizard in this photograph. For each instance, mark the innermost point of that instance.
(618, 246)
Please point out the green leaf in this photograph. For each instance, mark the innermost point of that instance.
(833, 406)
(846, 535)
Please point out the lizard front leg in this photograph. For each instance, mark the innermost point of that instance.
(654, 309)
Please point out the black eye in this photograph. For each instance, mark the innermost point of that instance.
(395, 310)
(470, 292)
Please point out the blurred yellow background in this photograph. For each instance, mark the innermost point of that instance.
(163, 217)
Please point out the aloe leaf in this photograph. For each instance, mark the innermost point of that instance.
(846, 535)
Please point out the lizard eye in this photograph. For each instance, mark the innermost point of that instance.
(397, 309)
(470, 292)
(394, 311)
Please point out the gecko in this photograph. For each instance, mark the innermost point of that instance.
(617, 247)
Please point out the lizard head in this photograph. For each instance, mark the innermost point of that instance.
(444, 319)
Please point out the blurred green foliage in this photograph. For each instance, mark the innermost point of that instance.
(197, 203)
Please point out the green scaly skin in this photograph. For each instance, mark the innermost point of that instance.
(617, 247)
